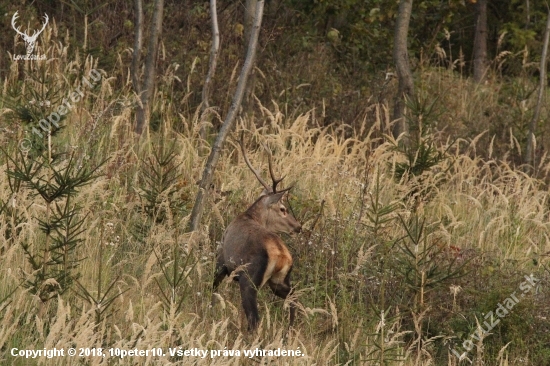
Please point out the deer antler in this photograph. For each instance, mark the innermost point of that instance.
(275, 180)
(43, 26)
(266, 186)
(273, 188)
(13, 19)
(35, 33)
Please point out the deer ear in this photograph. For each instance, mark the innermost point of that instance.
(274, 198)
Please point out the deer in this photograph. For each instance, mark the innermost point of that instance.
(29, 40)
(253, 249)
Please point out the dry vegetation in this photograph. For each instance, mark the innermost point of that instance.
(388, 271)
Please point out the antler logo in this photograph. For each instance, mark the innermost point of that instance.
(29, 40)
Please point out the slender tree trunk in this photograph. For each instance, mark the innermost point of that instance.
(214, 50)
(249, 16)
(480, 42)
(403, 68)
(530, 149)
(229, 122)
(142, 115)
(138, 39)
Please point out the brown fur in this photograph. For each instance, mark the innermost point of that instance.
(251, 240)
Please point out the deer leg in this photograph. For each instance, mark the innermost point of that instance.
(249, 297)
(250, 281)
(283, 290)
(221, 272)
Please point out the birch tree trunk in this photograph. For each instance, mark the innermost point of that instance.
(480, 42)
(530, 148)
(146, 93)
(229, 122)
(403, 68)
(138, 39)
(214, 50)
(249, 16)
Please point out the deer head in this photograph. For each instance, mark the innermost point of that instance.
(252, 248)
(268, 209)
(29, 40)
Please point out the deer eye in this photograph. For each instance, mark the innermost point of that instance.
(283, 210)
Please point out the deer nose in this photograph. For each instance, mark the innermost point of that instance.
(298, 229)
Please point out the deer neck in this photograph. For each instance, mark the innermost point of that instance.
(258, 214)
